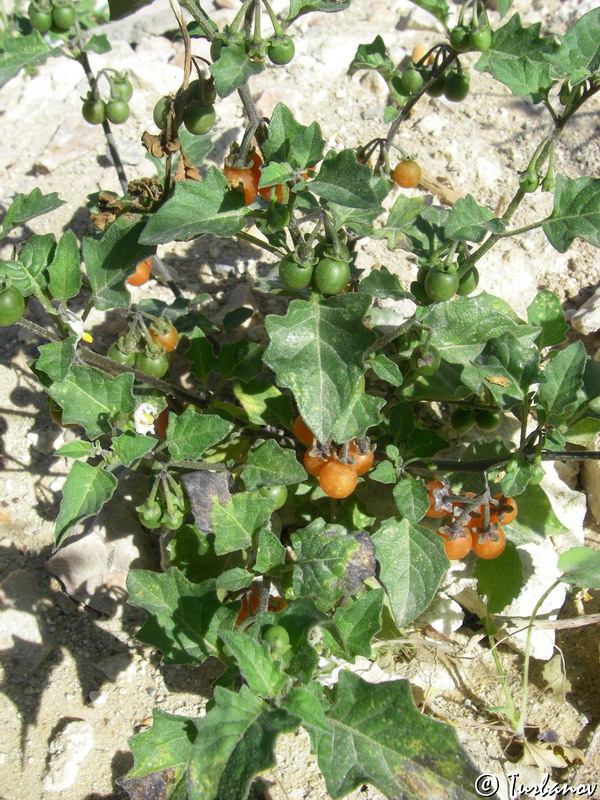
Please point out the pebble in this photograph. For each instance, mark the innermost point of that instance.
(67, 751)
(96, 698)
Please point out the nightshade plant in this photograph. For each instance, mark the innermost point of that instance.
(269, 571)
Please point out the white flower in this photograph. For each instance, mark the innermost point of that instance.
(144, 417)
(331, 667)
(76, 324)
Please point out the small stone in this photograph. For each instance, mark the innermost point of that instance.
(67, 751)
(114, 666)
(96, 698)
(586, 319)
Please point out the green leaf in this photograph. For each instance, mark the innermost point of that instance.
(514, 483)
(412, 563)
(56, 358)
(578, 56)
(383, 284)
(576, 212)
(412, 499)
(384, 473)
(191, 434)
(386, 369)
(27, 206)
(241, 359)
(184, 618)
(507, 367)
(235, 743)
(317, 350)
(192, 552)
(300, 7)
(519, 58)
(232, 69)
(270, 554)
(291, 143)
(581, 567)
(546, 312)
(200, 355)
(423, 442)
(401, 218)
(361, 413)
(85, 491)
(23, 52)
(426, 234)
(98, 43)
(583, 432)
(439, 8)
(65, 268)
(264, 403)
(263, 674)
(299, 618)
(372, 56)
(536, 521)
(161, 756)
(342, 180)
(470, 221)
(77, 449)
(235, 522)
(500, 580)
(360, 220)
(561, 381)
(197, 207)
(326, 563)
(272, 465)
(123, 8)
(377, 736)
(232, 580)
(91, 398)
(28, 274)
(110, 260)
(196, 147)
(129, 447)
(504, 7)
(274, 173)
(402, 422)
(357, 625)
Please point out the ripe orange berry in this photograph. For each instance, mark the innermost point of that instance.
(301, 432)
(142, 273)
(337, 479)
(313, 464)
(407, 174)
(362, 462)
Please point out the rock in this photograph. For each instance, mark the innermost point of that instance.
(292, 98)
(591, 481)
(586, 319)
(23, 636)
(67, 750)
(569, 506)
(117, 668)
(417, 19)
(94, 563)
(444, 614)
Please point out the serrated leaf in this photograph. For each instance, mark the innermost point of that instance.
(412, 563)
(129, 447)
(184, 618)
(317, 350)
(264, 403)
(161, 756)
(384, 473)
(27, 206)
(383, 284)
(77, 449)
(191, 434)
(324, 558)
(241, 359)
(507, 367)
(546, 312)
(110, 260)
(262, 672)
(377, 736)
(233, 68)
(270, 553)
(197, 207)
(578, 56)
(235, 743)
(519, 57)
(91, 398)
(23, 52)
(272, 465)
(357, 625)
(300, 7)
(561, 381)
(470, 221)
(401, 218)
(372, 56)
(342, 180)
(33, 259)
(65, 268)
(290, 142)
(499, 580)
(581, 567)
(85, 491)
(386, 369)
(361, 413)
(236, 521)
(576, 212)
(56, 358)
(411, 497)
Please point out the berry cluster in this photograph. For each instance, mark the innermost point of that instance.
(470, 525)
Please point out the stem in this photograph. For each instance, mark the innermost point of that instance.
(510, 705)
(200, 17)
(274, 21)
(263, 598)
(240, 16)
(247, 237)
(524, 229)
(520, 727)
